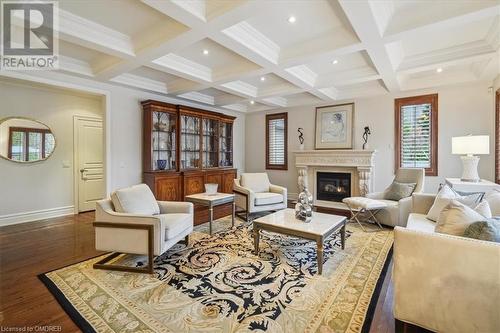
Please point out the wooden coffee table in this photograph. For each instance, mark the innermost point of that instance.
(212, 200)
(284, 222)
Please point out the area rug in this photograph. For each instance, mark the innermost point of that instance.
(217, 284)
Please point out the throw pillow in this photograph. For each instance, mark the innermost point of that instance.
(445, 195)
(455, 218)
(488, 230)
(484, 209)
(137, 199)
(493, 198)
(398, 191)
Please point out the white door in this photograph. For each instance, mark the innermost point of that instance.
(89, 156)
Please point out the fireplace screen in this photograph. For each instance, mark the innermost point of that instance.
(333, 186)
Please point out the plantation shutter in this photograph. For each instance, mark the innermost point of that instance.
(416, 133)
(416, 148)
(276, 141)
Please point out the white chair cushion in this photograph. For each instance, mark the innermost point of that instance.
(174, 224)
(420, 222)
(366, 203)
(267, 198)
(257, 182)
(137, 199)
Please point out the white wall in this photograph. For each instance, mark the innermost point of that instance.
(26, 187)
(125, 135)
(463, 109)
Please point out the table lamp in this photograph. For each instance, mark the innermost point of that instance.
(468, 146)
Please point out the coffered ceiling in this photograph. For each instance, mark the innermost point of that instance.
(264, 54)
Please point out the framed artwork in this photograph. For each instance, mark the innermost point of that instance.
(334, 126)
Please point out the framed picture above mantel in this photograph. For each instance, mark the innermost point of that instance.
(334, 126)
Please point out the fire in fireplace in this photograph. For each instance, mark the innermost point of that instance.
(333, 186)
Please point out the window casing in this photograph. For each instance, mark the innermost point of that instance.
(416, 132)
(276, 141)
(30, 144)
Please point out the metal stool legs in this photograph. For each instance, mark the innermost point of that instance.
(356, 212)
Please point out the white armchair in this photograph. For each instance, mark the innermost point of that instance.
(254, 193)
(396, 213)
(132, 221)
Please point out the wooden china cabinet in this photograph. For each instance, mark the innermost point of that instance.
(185, 148)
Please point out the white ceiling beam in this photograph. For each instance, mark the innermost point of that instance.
(363, 21)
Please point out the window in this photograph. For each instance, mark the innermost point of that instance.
(30, 144)
(276, 141)
(416, 133)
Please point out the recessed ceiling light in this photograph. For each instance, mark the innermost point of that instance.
(205, 52)
(252, 102)
(335, 62)
(439, 70)
(263, 78)
(292, 19)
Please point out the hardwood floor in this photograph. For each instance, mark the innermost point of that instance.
(29, 249)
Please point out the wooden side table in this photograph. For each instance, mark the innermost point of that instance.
(211, 201)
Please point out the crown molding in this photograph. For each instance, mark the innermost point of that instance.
(303, 73)
(141, 82)
(241, 88)
(178, 64)
(199, 97)
(254, 40)
(278, 101)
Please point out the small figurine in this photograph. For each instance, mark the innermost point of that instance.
(365, 137)
(301, 138)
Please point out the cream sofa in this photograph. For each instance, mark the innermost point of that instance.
(132, 221)
(255, 193)
(396, 213)
(441, 282)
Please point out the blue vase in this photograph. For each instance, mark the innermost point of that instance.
(162, 164)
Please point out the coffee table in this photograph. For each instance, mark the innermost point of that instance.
(212, 200)
(284, 222)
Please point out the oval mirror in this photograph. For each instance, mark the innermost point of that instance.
(25, 140)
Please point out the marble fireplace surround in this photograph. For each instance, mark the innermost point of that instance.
(359, 163)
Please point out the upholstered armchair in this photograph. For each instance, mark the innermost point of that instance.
(132, 221)
(396, 213)
(254, 193)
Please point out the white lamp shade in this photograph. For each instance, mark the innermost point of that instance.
(470, 145)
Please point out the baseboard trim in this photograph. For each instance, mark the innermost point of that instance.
(35, 215)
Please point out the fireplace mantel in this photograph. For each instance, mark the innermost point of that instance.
(360, 163)
(347, 158)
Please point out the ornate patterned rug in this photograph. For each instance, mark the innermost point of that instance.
(218, 285)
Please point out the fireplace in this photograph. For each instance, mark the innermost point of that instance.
(333, 186)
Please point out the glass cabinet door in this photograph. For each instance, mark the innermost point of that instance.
(163, 141)
(225, 144)
(190, 142)
(210, 143)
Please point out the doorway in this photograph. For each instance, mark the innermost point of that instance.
(89, 162)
